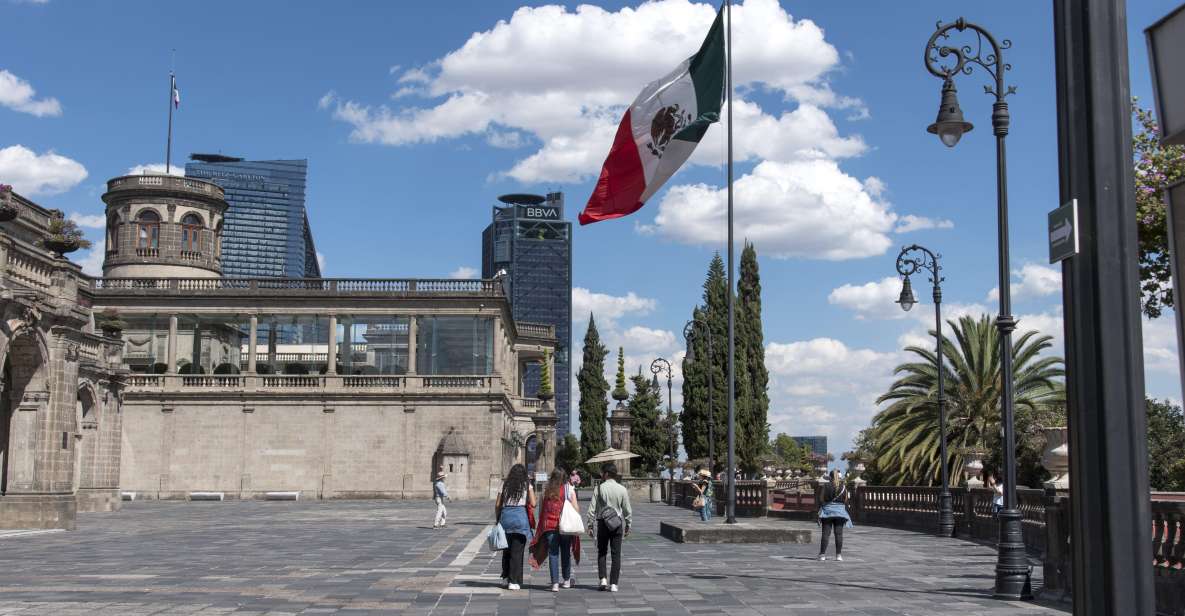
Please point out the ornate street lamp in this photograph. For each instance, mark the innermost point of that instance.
(910, 261)
(688, 334)
(945, 62)
(657, 367)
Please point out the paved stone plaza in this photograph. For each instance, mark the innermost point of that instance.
(383, 557)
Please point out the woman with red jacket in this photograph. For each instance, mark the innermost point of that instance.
(549, 543)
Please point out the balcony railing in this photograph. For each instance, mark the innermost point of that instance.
(317, 286)
(164, 182)
(481, 385)
(535, 330)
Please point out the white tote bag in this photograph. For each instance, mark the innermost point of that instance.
(570, 522)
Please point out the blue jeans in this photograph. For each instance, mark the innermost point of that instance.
(705, 512)
(559, 550)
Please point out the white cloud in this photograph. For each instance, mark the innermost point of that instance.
(18, 95)
(808, 209)
(463, 273)
(576, 90)
(909, 222)
(639, 339)
(156, 169)
(1160, 345)
(90, 221)
(39, 174)
(1032, 280)
(607, 308)
(824, 357)
(872, 299)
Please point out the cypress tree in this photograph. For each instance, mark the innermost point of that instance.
(752, 415)
(594, 403)
(695, 418)
(646, 438)
(619, 391)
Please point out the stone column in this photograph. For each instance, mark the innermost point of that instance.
(271, 345)
(412, 335)
(252, 345)
(545, 420)
(331, 348)
(172, 348)
(497, 334)
(348, 345)
(620, 425)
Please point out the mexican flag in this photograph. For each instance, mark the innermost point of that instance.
(660, 130)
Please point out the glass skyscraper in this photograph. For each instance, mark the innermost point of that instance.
(266, 232)
(531, 242)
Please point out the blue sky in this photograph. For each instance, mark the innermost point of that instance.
(415, 116)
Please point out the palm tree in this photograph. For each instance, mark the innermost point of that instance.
(906, 432)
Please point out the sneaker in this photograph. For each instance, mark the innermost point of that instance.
(567, 583)
(555, 588)
(822, 557)
(512, 587)
(613, 588)
(839, 558)
(604, 584)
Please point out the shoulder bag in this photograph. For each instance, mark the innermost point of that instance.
(570, 522)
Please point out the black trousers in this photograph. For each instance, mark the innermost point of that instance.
(609, 540)
(512, 558)
(837, 524)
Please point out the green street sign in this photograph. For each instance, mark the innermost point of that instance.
(1063, 232)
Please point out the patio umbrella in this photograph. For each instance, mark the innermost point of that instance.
(611, 454)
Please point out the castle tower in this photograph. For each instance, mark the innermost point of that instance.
(163, 226)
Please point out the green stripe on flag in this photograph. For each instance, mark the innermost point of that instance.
(707, 73)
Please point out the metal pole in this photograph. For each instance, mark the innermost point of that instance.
(732, 485)
(711, 411)
(946, 514)
(1110, 509)
(169, 139)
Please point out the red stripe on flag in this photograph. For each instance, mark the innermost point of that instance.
(622, 180)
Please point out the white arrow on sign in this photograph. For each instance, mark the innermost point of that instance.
(1061, 233)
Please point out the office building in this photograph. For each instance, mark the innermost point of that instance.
(530, 243)
(818, 444)
(266, 231)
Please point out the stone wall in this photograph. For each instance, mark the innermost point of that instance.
(346, 448)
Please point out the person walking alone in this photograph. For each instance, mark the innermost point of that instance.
(833, 514)
(440, 494)
(703, 485)
(549, 543)
(514, 509)
(612, 516)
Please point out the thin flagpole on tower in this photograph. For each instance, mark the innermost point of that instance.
(732, 487)
(169, 139)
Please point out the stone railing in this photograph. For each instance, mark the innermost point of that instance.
(535, 330)
(319, 286)
(752, 501)
(149, 383)
(29, 270)
(164, 182)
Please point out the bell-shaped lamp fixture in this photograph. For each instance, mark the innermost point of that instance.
(906, 300)
(690, 349)
(950, 125)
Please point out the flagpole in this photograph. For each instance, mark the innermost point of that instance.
(732, 486)
(169, 141)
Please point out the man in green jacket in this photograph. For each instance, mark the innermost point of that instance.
(611, 513)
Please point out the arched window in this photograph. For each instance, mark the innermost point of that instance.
(191, 227)
(148, 223)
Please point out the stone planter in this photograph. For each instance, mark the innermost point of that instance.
(61, 248)
(1056, 458)
(855, 469)
(973, 466)
(8, 211)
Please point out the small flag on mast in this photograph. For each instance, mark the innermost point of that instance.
(660, 130)
(176, 93)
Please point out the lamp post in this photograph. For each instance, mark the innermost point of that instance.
(946, 62)
(656, 368)
(688, 334)
(910, 261)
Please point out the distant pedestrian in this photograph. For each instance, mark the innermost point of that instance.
(611, 514)
(514, 510)
(833, 514)
(706, 492)
(440, 494)
(997, 489)
(558, 549)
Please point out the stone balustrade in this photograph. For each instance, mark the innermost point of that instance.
(319, 286)
(166, 183)
(482, 384)
(535, 330)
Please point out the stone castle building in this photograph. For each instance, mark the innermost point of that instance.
(227, 388)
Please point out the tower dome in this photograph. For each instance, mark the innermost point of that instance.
(163, 226)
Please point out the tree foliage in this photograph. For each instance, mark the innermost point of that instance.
(1156, 167)
(707, 367)
(568, 455)
(594, 403)
(906, 433)
(1166, 442)
(619, 391)
(752, 377)
(545, 387)
(647, 437)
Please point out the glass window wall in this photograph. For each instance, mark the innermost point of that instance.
(455, 345)
(146, 340)
(288, 344)
(372, 344)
